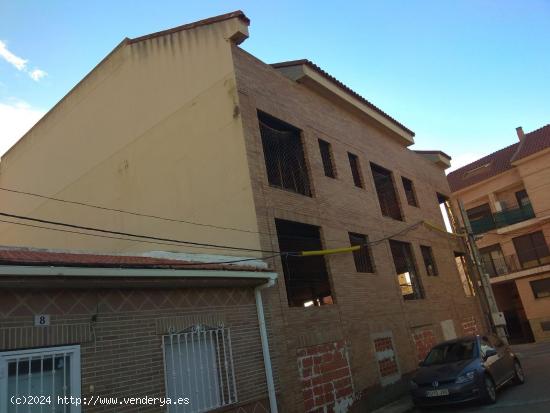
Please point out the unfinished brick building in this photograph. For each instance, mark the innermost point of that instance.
(278, 158)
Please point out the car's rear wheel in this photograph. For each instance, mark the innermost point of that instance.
(490, 391)
(519, 377)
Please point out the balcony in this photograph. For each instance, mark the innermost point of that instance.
(510, 263)
(502, 219)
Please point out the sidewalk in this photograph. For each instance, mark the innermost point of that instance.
(402, 405)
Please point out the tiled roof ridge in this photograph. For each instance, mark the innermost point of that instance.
(210, 20)
(343, 86)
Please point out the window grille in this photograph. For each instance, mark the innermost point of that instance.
(387, 197)
(199, 366)
(355, 170)
(408, 186)
(284, 155)
(409, 281)
(362, 257)
(306, 278)
(326, 156)
(47, 373)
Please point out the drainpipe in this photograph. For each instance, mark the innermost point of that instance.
(265, 346)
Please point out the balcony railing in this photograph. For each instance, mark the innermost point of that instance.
(510, 263)
(502, 219)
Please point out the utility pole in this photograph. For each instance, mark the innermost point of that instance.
(497, 319)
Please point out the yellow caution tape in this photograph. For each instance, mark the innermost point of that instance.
(330, 251)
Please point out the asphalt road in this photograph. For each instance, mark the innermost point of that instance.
(532, 397)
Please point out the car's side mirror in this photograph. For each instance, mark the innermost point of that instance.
(490, 353)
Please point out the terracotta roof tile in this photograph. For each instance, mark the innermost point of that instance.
(499, 161)
(534, 142)
(482, 169)
(331, 78)
(28, 256)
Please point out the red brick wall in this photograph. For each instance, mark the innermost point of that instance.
(424, 340)
(469, 326)
(325, 375)
(385, 354)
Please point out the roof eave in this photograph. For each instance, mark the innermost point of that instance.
(310, 75)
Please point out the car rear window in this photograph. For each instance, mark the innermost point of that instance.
(450, 353)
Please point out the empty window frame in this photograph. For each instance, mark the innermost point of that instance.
(385, 189)
(362, 257)
(284, 155)
(429, 261)
(50, 372)
(326, 156)
(306, 278)
(532, 250)
(198, 364)
(464, 273)
(408, 186)
(449, 220)
(541, 288)
(355, 170)
(409, 280)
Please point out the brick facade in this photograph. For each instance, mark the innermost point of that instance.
(365, 304)
(120, 336)
(424, 340)
(469, 326)
(326, 377)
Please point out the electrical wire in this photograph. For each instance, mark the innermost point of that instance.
(169, 241)
(148, 242)
(139, 214)
(128, 234)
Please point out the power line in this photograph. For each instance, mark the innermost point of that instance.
(139, 214)
(128, 234)
(147, 242)
(168, 241)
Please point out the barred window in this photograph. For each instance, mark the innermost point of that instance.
(355, 170)
(326, 156)
(429, 261)
(198, 365)
(306, 278)
(284, 155)
(362, 257)
(409, 281)
(52, 372)
(409, 191)
(387, 197)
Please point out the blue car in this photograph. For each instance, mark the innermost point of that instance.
(465, 369)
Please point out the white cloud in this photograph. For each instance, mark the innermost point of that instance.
(463, 159)
(19, 63)
(37, 74)
(16, 118)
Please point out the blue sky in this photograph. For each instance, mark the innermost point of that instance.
(461, 74)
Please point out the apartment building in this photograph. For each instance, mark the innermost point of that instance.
(262, 161)
(506, 199)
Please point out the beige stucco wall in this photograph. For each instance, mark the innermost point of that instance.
(156, 129)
